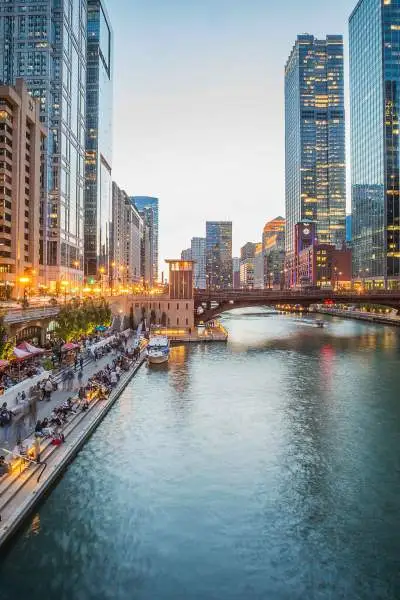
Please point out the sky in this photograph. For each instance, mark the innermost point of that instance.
(199, 107)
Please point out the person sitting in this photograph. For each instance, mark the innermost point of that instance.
(4, 467)
(39, 429)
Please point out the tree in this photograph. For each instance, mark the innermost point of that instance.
(6, 347)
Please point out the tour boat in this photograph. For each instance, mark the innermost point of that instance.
(158, 350)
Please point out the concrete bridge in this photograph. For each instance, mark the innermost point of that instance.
(217, 302)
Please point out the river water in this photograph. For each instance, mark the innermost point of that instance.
(265, 469)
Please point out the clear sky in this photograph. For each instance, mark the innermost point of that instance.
(199, 107)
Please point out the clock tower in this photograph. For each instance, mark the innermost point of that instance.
(305, 235)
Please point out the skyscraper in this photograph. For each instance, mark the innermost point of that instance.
(198, 255)
(127, 234)
(45, 43)
(147, 203)
(99, 109)
(219, 254)
(375, 107)
(274, 251)
(315, 138)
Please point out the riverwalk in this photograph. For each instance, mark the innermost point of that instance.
(382, 319)
(23, 488)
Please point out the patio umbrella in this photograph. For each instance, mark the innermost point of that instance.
(29, 348)
(69, 346)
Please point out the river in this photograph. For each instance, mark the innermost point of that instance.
(264, 469)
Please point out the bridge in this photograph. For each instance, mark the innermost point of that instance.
(217, 302)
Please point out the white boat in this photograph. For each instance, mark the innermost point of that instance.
(158, 350)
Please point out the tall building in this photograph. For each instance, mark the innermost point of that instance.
(236, 272)
(186, 254)
(315, 138)
(98, 164)
(219, 254)
(147, 204)
(198, 255)
(248, 250)
(45, 43)
(375, 107)
(21, 140)
(274, 251)
(127, 233)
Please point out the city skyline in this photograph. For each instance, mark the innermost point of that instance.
(202, 129)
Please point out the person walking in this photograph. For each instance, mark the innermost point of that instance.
(48, 388)
(81, 362)
(5, 421)
(76, 361)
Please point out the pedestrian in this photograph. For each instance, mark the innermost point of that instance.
(81, 362)
(5, 421)
(71, 377)
(36, 447)
(76, 361)
(80, 377)
(48, 388)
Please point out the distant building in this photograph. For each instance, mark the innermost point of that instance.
(98, 163)
(147, 204)
(186, 254)
(236, 272)
(317, 265)
(274, 251)
(259, 267)
(198, 255)
(21, 143)
(127, 229)
(219, 254)
(315, 137)
(247, 251)
(349, 235)
(247, 273)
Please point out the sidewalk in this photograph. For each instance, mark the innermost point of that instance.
(22, 427)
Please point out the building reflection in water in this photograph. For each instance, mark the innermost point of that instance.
(178, 368)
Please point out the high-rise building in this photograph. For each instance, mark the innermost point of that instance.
(375, 109)
(315, 138)
(198, 255)
(99, 110)
(147, 204)
(45, 43)
(247, 251)
(21, 141)
(127, 233)
(186, 254)
(219, 254)
(236, 272)
(274, 251)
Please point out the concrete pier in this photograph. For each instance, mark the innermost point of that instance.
(20, 492)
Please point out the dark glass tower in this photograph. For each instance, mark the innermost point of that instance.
(99, 110)
(375, 104)
(315, 139)
(144, 204)
(219, 254)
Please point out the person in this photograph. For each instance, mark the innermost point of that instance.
(113, 378)
(80, 377)
(36, 447)
(5, 421)
(39, 429)
(76, 361)
(48, 388)
(4, 467)
(81, 362)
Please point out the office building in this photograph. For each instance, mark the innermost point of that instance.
(375, 106)
(149, 207)
(349, 235)
(236, 272)
(21, 141)
(186, 254)
(219, 254)
(45, 43)
(98, 163)
(198, 256)
(247, 251)
(259, 268)
(127, 234)
(315, 139)
(274, 251)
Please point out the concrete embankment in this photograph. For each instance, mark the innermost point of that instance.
(360, 316)
(22, 490)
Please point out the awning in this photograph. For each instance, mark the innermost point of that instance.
(26, 347)
(21, 354)
(69, 346)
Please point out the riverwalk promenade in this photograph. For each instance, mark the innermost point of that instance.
(23, 488)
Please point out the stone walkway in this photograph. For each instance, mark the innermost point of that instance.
(22, 427)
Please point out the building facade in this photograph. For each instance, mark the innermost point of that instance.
(186, 254)
(375, 105)
(315, 139)
(219, 254)
(98, 163)
(45, 44)
(236, 272)
(274, 251)
(21, 142)
(127, 235)
(148, 207)
(198, 255)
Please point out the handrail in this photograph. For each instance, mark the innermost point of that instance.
(29, 460)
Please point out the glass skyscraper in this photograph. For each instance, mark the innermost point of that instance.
(143, 204)
(375, 105)
(219, 254)
(44, 42)
(99, 109)
(315, 139)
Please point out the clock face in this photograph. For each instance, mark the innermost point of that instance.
(306, 231)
